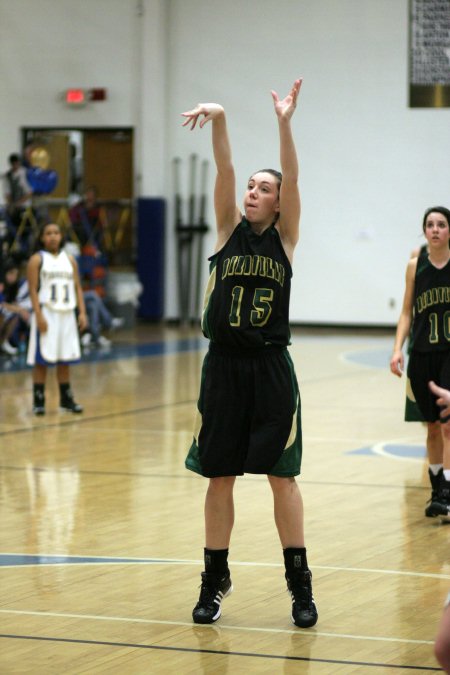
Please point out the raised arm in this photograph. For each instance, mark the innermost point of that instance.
(397, 362)
(289, 219)
(227, 213)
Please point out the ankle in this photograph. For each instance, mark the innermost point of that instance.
(216, 561)
(295, 560)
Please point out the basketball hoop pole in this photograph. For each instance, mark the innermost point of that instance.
(187, 235)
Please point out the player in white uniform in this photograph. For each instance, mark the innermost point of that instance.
(55, 292)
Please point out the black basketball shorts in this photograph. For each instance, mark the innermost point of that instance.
(248, 418)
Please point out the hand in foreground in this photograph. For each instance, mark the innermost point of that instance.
(444, 398)
(397, 363)
(82, 321)
(285, 108)
(41, 323)
(207, 110)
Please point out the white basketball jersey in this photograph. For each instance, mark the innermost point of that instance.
(56, 282)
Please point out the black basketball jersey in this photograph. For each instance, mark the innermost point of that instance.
(431, 324)
(423, 252)
(247, 297)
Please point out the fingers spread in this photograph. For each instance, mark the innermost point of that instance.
(191, 119)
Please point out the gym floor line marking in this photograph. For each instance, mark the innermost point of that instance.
(47, 560)
(190, 624)
(192, 476)
(83, 420)
(217, 652)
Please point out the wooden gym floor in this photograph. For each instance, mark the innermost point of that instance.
(102, 527)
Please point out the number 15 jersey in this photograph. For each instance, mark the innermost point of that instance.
(247, 296)
(56, 282)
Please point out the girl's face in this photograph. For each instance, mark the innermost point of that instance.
(261, 199)
(11, 276)
(51, 238)
(437, 230)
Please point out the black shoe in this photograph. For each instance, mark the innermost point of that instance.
(304, 611)
(435, 481)
(440, 506)
(38, 403)
(214, 589)
(67, 404)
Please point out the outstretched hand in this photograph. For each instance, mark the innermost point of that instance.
(285, 108)
(207, 110)
(444, 398)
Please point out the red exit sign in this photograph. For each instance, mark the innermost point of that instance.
(79, 97)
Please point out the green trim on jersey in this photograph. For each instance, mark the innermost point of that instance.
(290, 461)
(192, 461)
(412, 412)
(206, 328)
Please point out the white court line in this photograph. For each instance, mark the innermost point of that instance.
(411, 440)
(179, 561)
(291, 631)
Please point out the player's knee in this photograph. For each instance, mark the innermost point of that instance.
(282, 483)
(433, 430)
(221, 484)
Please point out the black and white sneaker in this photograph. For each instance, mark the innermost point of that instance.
(435, 481)
(213, 590)
(68, 404)
(304, 611)
(440, 506)
(38, 403)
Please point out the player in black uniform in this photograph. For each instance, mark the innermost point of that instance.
(426, 312)
(412, 412)
(249, 406)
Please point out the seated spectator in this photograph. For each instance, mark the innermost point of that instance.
(15, 308)
(85, 219)
(87, 226)
(99, 318)
(18, 195)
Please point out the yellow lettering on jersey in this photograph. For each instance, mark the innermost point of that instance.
(255, 265)
(433, 296)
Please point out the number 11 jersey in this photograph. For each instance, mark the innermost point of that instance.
(56, 282)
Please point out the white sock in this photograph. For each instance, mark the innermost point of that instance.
(447, 474)
(435, 468)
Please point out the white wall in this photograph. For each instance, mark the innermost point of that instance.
(369, 164)
(47, 46)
